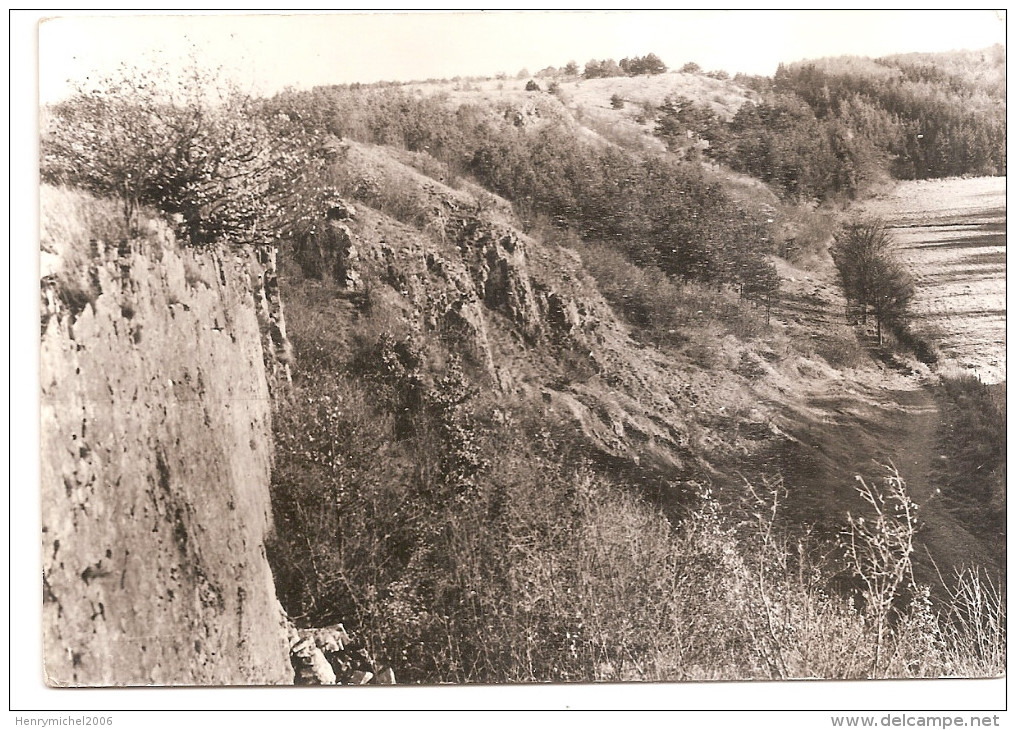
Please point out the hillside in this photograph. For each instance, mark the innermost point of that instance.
(588, 101)
(454, 295)
(572, 384)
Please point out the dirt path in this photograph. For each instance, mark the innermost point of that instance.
(852, 426)
(859, 414)
(942, 540)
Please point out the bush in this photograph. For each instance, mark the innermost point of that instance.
(229, 169)
(467, 540)
(663, 310)
(973, 440)
(531, 85)
(616, 102)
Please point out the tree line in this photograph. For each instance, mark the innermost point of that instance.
(929, 115)
(830, 128)
(597, 69)
(874, 279)
(649, 64)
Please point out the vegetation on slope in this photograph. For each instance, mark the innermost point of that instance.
(660, 212)
(221, 170)
(469, 539)
(830, 128)
(931, 115)
(973, 442)
(469, 535)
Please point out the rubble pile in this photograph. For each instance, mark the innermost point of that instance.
(327, 655)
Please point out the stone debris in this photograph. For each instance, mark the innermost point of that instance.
(360, 677)
(311, 665)
(327, 655)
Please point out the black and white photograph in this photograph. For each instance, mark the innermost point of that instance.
(521, 347)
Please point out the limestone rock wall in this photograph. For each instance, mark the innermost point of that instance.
(156, 454)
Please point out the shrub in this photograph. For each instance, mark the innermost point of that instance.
(888, 626)
(973, 439)
(974, 627)
(477, 545)
(531, 85)
(616, 102)
(879, 549)
(223, 169)
(666, 311)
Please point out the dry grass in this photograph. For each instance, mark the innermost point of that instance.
(669, 313)
(538, 568)
(975, 627)
(723, 97)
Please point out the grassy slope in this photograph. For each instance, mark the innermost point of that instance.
(814, 367)
(720, 396)
(588, 101)
(725, 397)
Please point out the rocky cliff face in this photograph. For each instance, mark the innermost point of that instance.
(156, 457)
(451, 261)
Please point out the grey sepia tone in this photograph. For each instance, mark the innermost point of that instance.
(623, 368)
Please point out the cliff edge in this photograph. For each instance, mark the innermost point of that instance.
(155, 459)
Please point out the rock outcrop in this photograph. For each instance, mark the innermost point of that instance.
(155, 460)
(453, 262)
(330, 250)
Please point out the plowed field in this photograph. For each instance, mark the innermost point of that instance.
(952, 235)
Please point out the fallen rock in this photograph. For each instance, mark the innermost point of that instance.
(358, 677)
(328, 655)
(311, 665)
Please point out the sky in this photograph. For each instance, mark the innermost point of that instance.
(266, 53)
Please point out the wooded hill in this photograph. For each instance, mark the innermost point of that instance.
(480, 467)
